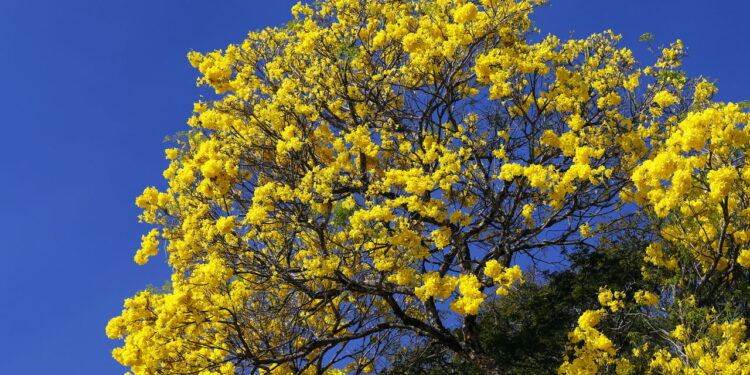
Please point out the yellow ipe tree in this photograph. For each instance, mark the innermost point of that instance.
(374, 171)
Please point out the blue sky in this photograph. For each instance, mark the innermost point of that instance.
(90, 89)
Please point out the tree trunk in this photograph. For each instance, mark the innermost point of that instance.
(484, 363)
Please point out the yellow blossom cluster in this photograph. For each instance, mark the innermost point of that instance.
(697, 171)
(646, 298)
(471, 296)
(721, 349)
(610, 299)
(503, 277)
(592, 350)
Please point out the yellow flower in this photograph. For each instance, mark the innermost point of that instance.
(589, 319)
(646, 298)
(171, 153)
(465, 13)
(744, 258)
(149, 247)
(680, 332)
(585, 230)
(721, 181)
(471, 296)
(576, 122)
(665, 98)
(435, 286)
(609, 299)
(226, 224)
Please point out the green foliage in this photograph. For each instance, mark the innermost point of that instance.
(347, 50)
(291, 25)
(184, 137)
(166, 288)
(341, 215)
(672, 75)
(646, 37)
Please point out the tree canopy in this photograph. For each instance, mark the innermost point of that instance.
(385, 174)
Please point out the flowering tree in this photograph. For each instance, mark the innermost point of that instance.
(376, 170)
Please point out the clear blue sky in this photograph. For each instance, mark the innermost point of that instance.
(90, 89)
